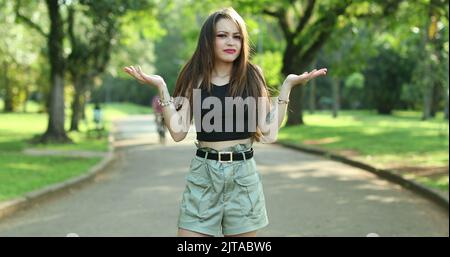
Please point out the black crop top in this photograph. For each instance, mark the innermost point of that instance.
(228, 127)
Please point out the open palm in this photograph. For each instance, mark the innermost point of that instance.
(302, 79)
(138, 74)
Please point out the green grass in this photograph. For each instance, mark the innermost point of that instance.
(400, 140)
(20, 173)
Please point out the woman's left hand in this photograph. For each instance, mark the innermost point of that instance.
(294, 80)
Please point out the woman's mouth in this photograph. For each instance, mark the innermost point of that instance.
(229, 51)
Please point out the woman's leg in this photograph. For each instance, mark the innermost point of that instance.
(247, 234)
(188, 233)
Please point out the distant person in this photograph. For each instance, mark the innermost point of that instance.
(159, 119)
(98, 117)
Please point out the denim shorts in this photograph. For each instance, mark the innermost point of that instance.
(223, 197)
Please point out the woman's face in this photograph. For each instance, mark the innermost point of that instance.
(227, 41)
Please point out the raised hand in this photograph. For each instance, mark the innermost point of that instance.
(143, 78)
(294, 80)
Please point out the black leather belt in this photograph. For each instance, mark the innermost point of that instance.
(226, 156)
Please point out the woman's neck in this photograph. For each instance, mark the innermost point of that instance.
(222, 69)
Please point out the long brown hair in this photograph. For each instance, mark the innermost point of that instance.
(245, 76)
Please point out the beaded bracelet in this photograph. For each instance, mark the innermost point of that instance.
(166, 103)
(283, 101)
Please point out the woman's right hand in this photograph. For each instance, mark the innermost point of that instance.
(138, 74)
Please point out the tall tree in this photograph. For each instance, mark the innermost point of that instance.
(55, 129)
(91, 48)
(306, 27)
(92, 42)
(90, 58)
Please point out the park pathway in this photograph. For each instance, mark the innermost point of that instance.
(306, 195)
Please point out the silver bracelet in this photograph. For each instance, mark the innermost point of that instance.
(166, 103)
(280, 101)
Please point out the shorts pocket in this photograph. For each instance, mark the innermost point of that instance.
(250, 193)
(197, 199)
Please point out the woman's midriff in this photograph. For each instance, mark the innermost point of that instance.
(219, 145)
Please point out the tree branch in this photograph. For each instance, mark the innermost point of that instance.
(327, 22)
(27, 21)
(306, 16)
(280, 14)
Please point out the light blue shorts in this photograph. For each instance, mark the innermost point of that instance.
(223, 197)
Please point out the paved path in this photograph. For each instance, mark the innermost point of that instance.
(306, 196)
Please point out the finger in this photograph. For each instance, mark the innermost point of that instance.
(137, 75)
(141, 74)
(322, 72)
(139, 70)
(130, 71)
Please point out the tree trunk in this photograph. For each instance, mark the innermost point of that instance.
(55, 129)
(295, 106)
(26, 91)
(436, 96)
(336, 96)
(427, 87)
(312, 97)
(8, 101)
(76, 104)
(446, 92)
(25, 102)
(83, 106)
(427, 101)
(446, 103)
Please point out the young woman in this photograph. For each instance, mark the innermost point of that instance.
(223, 192)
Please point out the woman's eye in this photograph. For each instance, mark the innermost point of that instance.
(237, 37)
(222, 35)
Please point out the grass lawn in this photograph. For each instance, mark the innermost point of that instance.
(21, 173)
(413, 148)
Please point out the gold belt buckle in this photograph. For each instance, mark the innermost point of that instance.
(231, 156)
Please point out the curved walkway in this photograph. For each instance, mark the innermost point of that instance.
(306, 195)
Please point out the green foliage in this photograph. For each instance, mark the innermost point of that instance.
(270, 62)
(20, 62)
(355, 81)
(353, 91)
(122, 90)
(384, 78)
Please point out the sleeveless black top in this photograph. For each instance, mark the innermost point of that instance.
(233, 126)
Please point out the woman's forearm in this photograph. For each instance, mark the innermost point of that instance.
(274, 114)
(282, 107)
(176, 121)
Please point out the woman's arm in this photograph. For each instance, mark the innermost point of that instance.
(178, 122)
(274, 115)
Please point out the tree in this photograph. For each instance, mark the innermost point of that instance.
(306, 27)
(58, 60)
(55, 129)
(17, 58)
(384, 77)
(93, 27)
(346, 52)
